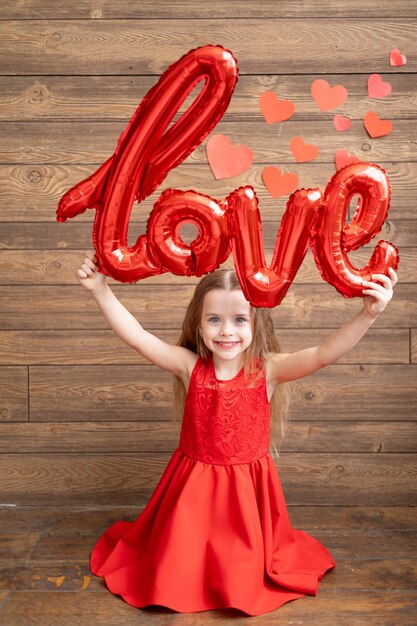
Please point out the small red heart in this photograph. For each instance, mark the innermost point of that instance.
(341, 123)
(396, 58)
(375, 126)
(377, 88)
(277, 183)
(327, 97)
(301, 151)
(343, 158)
(225, 159)
(275, 110)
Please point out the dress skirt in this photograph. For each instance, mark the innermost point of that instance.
(210, 537)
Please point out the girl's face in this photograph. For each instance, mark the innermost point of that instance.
(226, 322)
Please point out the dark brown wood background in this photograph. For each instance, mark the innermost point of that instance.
(85, 420)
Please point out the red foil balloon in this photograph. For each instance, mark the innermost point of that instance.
(333, 239)
(209, 249)
(266, 286)
(146, 151)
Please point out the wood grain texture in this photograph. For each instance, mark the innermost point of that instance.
(113, 435)
(68, 573)
(94, 519)
(95, 392)
(377, 608)
(147, 9)
(316, 479)
(92, 98)
(58, 267)
(76, 237)
(44, 570)
(306, 306)
(113, 47)
(30, 193)
(100, 393)
(62, 347)
(380, 609)
(79, 142)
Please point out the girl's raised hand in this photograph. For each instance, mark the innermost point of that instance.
(378, 295)
(88, 275)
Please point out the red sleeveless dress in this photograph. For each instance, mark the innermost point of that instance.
(216, 531)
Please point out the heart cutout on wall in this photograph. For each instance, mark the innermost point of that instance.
(343, 158)
(328, 97)
(375, 126)
(226, 159)
(377, 88)
(277, 183)
(275, 110)
(302, 151)
(341, 123)
(396, 58)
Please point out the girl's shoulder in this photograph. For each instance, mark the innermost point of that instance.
(271, 363)
(191, 365)
(192, 359)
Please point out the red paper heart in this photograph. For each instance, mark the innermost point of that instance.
(273, 109)
(377, 88)
(301, 151)
(327, 97)
(277, 183)
(225, 159)
(343, 158)
(341, 123)
(396, 58)
(375, 126)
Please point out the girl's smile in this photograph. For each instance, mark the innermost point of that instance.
(227, 345)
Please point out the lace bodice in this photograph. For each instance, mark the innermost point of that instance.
(225, 421)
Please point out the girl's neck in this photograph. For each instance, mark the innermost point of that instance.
(225, 369)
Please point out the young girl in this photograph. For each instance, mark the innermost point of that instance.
(216, 531)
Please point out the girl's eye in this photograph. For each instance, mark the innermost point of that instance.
(241, 319)
(214, 319)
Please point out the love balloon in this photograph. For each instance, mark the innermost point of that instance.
(147, 150)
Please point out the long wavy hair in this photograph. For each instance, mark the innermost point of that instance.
(264, 342)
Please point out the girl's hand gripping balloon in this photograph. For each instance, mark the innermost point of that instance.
(378, 295)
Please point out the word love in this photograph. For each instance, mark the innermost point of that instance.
(142, 159)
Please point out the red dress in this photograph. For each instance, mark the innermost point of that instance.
(215, 532)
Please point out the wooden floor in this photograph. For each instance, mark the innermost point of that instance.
(46, 581)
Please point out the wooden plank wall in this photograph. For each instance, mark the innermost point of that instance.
(83, 418)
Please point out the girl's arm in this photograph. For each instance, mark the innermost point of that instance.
(285, 367)
(175, 359)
